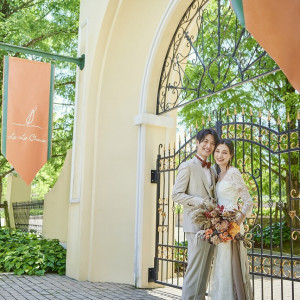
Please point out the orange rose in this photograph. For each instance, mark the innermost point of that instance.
(208, 233)
(225, 237)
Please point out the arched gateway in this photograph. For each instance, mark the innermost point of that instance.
(211, 53)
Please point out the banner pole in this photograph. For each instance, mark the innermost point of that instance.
(79, 61)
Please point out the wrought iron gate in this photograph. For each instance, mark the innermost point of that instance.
(268, 156)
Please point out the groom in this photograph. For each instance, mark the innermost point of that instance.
(194, 183)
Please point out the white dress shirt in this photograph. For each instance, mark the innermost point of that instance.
(206, 171)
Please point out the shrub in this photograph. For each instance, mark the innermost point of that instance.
(266, 234)
(265, 211)
(30, 253)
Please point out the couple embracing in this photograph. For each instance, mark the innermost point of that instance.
(222, 268)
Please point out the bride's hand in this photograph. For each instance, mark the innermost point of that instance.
(241, 218)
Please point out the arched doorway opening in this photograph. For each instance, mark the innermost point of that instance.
(212, 61)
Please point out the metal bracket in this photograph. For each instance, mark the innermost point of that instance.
(151, 275)
(154, 176)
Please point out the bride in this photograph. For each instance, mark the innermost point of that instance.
(230, 272)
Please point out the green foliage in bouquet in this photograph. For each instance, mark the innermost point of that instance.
(275, 235)
(30, 253)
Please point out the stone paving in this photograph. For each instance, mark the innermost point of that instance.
(52, 286)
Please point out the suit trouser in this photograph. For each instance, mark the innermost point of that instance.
(200, 256)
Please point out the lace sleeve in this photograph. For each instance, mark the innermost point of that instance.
(239, 185)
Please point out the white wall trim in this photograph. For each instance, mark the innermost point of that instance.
(154, 120)
(79, 129)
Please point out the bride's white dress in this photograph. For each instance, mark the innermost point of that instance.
(227, 280)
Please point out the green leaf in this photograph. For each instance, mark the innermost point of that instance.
(35, 259)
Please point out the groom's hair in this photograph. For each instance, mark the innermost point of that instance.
(204, 132)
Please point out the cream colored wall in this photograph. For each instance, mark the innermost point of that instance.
(95, 22)
(56, 205)
(112, 203)
(17, 191)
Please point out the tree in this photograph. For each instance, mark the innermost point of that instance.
(51, 26)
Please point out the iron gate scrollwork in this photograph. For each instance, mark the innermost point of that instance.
(209, 53)
(268, 156)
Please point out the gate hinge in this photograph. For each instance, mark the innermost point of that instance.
(154, 176)
(151, 275)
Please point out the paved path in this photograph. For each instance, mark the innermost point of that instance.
(52, 286)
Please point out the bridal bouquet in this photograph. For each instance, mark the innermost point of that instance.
(218, 224)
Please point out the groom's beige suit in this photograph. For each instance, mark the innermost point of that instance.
(190, 189)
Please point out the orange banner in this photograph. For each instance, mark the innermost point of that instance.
(27, 115)
(275, 25)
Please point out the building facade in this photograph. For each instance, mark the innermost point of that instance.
(111, 234)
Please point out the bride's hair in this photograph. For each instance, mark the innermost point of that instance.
(230, 146)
